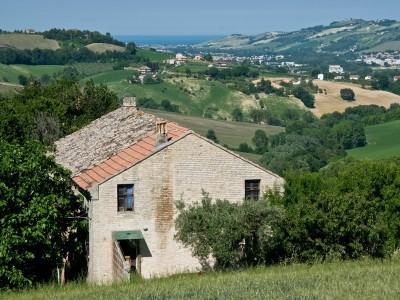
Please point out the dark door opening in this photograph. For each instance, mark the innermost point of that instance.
(131, 251)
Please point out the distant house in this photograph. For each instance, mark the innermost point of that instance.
(336, 69)
(397, 77)
(338, 77)
(198, 57)
(354, 77)
(30, 30)
(144, 70)
(180, 57)
(131, 167)
(3, 46)
(320, 76)
(369, 77)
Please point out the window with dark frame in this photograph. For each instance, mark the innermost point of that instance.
(125, 197)
(252, 189)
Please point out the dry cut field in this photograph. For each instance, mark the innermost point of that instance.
(102, 47)
(333, 102)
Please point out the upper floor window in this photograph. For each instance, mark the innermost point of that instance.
(252, 189)
(125, 197)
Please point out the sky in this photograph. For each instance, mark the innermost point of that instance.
(177, 17)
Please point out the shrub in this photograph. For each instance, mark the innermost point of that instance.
(347, 94)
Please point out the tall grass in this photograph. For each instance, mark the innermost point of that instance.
(370, 279)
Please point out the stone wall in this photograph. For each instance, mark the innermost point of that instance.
(180, 171)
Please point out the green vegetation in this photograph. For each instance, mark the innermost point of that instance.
(37, 208)
(382, 142)
(28, 41)
(368, 279)
(347, 94)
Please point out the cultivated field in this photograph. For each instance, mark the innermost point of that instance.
(341, 280)
(28, 41)
(333, 102)
(228, 132)
(383, 142)
(102, 47)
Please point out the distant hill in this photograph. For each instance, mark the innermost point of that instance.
(353, 35)
(27, 41)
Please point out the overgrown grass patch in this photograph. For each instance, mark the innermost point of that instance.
(369, 279)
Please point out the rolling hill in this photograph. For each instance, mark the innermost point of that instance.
(352, 35)
(28, 41)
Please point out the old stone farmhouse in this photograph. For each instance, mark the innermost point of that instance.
(132, 167)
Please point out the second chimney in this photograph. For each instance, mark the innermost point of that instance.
(129, 105)
(161, 133)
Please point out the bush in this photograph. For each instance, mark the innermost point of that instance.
(235, 234)
(347, 94)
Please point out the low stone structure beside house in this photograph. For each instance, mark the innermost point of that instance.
(131, 167)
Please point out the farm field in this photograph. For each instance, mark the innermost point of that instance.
(333, 102)
(28, 41)
(369, 279)
(383, 142)
(228, 132)
(11, 72)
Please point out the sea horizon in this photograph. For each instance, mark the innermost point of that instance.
(166, 39)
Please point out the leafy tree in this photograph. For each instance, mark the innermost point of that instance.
(131, 48)
(237, 114)
(347, 94)
(208, 57)
(305, 97)
(38, 209)
(244, 147)
(260, 141)
(212, 136)
(23, 80)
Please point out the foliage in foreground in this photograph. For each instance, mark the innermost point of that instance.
(367, 279)
(346, 211)
(234, 234)
(37, 215)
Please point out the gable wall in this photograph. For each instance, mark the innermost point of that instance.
(179, 171)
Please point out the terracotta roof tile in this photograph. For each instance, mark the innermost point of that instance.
(126, 158)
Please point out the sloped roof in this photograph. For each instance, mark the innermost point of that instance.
(110, 144)
(126, 158)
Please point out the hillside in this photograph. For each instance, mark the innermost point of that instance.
(103, 47)
(27, 41)
(338, 37)
(382, 142)
(333, 102)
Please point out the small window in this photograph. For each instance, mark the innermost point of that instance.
(252, 189)
(125, 197)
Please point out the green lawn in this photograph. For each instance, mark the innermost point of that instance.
(154, 56)
(383, 142)
(340, 280)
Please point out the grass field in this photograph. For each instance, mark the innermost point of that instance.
(28, 41)
(228, 132)
(383, 142)
(11, 72)
(102, 47)
(153, 56)
(340, 280)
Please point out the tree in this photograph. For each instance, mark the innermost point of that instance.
(131, 48)
(260, 140)
(237, 114)
(304, 96)
(208, 57)
(212, 136)
(347, 94)
(39, 212)
(23, 80)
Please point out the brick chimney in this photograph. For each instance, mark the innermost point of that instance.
(129, 105)
(161, 133)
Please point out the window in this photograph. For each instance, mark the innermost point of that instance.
(252, 189)
(125, 197)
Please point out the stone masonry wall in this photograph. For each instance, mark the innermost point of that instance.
(179, 171)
